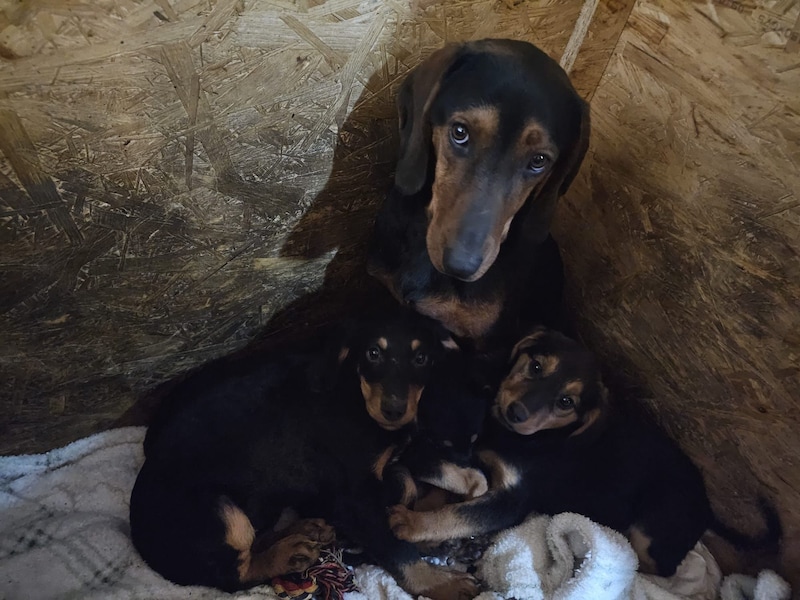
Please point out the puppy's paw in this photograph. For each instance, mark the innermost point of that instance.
(439, 584)
(475, 483)
(405, 523)
(298, 552)
(459, 586)
(316, 530)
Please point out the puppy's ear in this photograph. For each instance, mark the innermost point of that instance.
(323, 372)
(528, 340)
(595, 418)
(542, 202)
(414, 100)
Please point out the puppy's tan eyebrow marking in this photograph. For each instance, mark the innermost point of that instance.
(383, 343)
(549, 363)
(415, 344)
(574, 388)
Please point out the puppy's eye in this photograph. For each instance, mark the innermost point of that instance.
(374, 354)
(459, 134)
(566, 403)
(538, 163)
(535, 368)
(420, 359)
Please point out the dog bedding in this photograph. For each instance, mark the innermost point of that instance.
(64, 534)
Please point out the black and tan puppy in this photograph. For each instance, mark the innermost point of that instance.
(232, 451)
(491, 134)
(555, 445)
(440, 453)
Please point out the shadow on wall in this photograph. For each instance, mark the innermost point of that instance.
(340, 220)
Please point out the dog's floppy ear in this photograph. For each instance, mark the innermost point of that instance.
(594, 419)
(413, 103)
(543, 202)
(526, 341)
(323, 372)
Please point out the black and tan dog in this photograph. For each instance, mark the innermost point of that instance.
(554, 445)
(235, 448)
(440, 453)
(491, 134)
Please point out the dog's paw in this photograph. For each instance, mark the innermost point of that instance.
(475, 483)
(404, 523)
(458, 586)
(316, 530)
(439, 584)
(295, 553)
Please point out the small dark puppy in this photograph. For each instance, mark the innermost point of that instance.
(229, 455)
(554, 445)
(440, 452)
(491, 134)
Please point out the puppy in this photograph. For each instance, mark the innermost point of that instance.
(234, 450)
(439, 454)
(555, 445)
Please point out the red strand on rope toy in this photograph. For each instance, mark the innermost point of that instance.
(333, 577)
(329, 579)
(295, 586)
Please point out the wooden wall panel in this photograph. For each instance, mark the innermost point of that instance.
(683, 239)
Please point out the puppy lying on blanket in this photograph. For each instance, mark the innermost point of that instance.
(554, 445)
(230, 454)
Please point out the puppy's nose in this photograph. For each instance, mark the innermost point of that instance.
(393, 413)
(461, 264)
(517, 413)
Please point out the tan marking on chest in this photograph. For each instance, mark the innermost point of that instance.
(466, 319)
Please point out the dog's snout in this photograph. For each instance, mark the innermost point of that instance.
(516, 412)
(393, 409)
(461, 263)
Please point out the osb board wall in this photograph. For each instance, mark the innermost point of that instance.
(174, 173)
(684, 235)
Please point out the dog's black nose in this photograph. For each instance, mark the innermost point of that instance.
(393, 413)
(516, 412)
(461, 264)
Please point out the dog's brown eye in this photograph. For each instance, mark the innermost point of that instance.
(535, 367)
(537, 163)
(459, 133)
(421, 359)
(374, 354)
(566, 402)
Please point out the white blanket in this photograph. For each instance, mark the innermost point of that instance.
(64, 534)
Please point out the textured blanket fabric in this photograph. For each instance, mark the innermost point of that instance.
(64, 534)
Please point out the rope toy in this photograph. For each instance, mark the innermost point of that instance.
(329, 579)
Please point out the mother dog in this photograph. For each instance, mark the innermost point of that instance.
(491, 134)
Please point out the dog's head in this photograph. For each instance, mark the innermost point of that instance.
(453, 411)
(393, 359)
(554, 383)
(504, 129)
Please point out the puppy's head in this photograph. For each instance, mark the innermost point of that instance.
(393, 359)
(507, 133)
(452, 411)
(554, 383)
